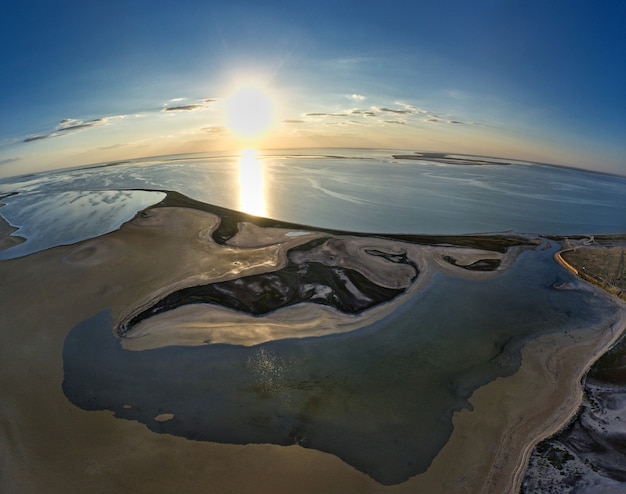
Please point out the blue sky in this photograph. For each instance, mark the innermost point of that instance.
(86, 82)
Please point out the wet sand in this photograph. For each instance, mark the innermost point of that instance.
(49, 445)
(6, 239)
(587, 455)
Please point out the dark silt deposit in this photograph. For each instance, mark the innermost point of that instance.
(299, 281)
(380, 398)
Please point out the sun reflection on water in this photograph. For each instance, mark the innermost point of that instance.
(251, 184)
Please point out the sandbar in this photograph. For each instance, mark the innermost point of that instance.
(49, 445)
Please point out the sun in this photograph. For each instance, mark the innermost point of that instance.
(249, 111)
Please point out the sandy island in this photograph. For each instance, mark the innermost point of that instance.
(48, 445)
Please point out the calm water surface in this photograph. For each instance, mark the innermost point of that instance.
(380, 398)
(366, 191)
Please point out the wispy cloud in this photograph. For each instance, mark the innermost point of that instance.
(366, 113)
(67, 126)
(404, 111)
(71, 125)
(317, 114)
(38, 137)
(6, 161)
(357, 97)
(182, 108)
(188, 107)
(408, 113)
(446, 121)
(412, 108)
(216, 129)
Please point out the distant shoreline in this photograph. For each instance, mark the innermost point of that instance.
(450, 159)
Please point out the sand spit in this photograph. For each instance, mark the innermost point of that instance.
(451, 159)
(377, 259)
(49, 445)
(588, 454)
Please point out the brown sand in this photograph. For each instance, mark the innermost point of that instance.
(6, 239)
(48, 445)
(201, 324)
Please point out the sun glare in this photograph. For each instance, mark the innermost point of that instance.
(251, 184)
(249, 112)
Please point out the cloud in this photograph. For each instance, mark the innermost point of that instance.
(188, 107)
(67, 126)
(71, 124)
(183, 107)
(414, 110)
(357, 97)
(112, 146)
(6, 161)
(384, 115)
(217, 129)
(325, 114)
(294, 121)
(365, 113)
(38, 137)
(441, 120)
(391, 110)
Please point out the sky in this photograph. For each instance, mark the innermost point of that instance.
(94, 81)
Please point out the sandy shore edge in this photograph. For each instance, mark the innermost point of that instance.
(568, 364)
(53, 446)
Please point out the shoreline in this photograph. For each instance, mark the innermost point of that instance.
(350, 253)
(553, 460)
(51, 437)
(499, 459)
(570, 407)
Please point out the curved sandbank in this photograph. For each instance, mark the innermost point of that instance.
(254, 251)
(587, 454)
(49, 444)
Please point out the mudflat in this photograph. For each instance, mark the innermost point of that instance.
(49, 444)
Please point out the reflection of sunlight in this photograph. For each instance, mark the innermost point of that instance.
(251, 186)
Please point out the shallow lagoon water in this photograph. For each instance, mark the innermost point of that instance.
(47, 219)
(380, 398)
(373, 191)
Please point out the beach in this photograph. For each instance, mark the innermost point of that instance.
(49, 444)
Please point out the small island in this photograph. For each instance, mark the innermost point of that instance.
(451, 158)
